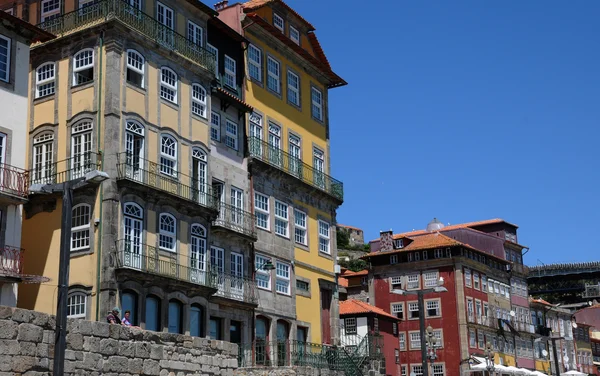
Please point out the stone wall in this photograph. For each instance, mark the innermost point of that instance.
(286, 371)
(97, 348)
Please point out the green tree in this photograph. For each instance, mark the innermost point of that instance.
(343, 239)
(355, 265)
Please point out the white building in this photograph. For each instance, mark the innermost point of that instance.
(15, 38)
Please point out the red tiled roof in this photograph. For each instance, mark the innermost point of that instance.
(335, 80)
(542, 301)
(356, 274)
(255, 4)
(353, 307)
(233, 97)
(342, 281)
(312, 37)
(452, 227)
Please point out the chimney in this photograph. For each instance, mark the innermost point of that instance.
(221, 5)
(386, 241)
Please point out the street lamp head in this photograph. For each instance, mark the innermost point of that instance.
(96, 176)
(398, 292)
(441, 281)
(429, 330)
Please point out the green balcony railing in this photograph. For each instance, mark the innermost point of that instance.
(166, 178)
(106, 10)
(284, 353)
(276, 157)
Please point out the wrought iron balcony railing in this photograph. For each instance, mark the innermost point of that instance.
(11, 260)
(166, 178)
(236, 219)
(145, 258)
(68, 169)
(14, 181)
(276, 157)
(106, 10)
(236, 288)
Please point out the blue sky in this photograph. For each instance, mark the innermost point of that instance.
(467, 110)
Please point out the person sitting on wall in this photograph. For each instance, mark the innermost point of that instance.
(113, 317)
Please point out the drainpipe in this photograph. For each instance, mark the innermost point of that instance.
(99, 114)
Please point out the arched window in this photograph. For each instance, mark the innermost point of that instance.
(44, 80)
(262, 335)
(198, 252)
(81, 148)
(43, 155)
(134, 149)
(77, 305)
(83, 67)
(168, 155)
(175, 315)
(152, 313)
(168, 84)
(129, 301)
(167, 232)
(133, 216)
(198, 100)
(80, 227)
(199, 174)
(196, 320)
(135, 68)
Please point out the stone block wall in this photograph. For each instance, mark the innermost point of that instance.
(97, 348)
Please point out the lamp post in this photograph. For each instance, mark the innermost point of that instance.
(431, 345)
(67, 188)
(420, 294)
(489, 358)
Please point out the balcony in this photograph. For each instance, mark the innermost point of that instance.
(275, 157)
(11, 261)
(104, 11)
(236, 220)
(238, 289)
(165, 179)
(145, 263)
(14, 184)
(591, 291)
(68, 169)
(520, 269)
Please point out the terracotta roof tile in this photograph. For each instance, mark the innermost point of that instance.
(542, 301)
(312, 37)
(452, 227)
(350, 273)
(353, 307)
(255, 4)
(233, 97)
(342, 281)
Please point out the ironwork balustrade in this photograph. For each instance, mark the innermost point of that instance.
(11, 260)
(14, 181)
(105, 10)
(145, 258)
(165, 178)
(276, 157)
(68, 169)
(236, 288)
(288, 353)
(236, 219)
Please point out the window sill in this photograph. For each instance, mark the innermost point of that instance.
(200, 118)
(87, 85)
(295, 106)
(44, 99)
(325, 255)
(278, 95)
(137, 88)
(174, 106)
(7, 85)
(257, 82)
(264, 289)
(322, 123)
(284, 294)
(305, 294)
(302, 247)
(263, 229)
(282, 236)
(81, 252)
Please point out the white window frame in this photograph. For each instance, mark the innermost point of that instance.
(316, 108)
(88, 63)
(166, 157)
(229, 75)
(324, 239)
(48, 84)
(255, 63)
(484, 284)
(278, 22)
(170, 88)
(199, 96)
(293, 90)
(414, 338)
(393, 259)
(80, 228)
(282, 280)
(259, 261)
(430, 278)
(137, 64)
(350, 326)
(468, 282)
(6, 77)
(411, 279)
(282, 220)
(260, 210)
(167, 234)
(433, 303)
(402, 341)
(476, 284)
(231, 134)
(435, 369)
(294, 35)
(472, 338)
(215, 126)
(195, 34)
(77, 305)
(276, 77)
(397, 307)
(300, 227)
(9, 11)
(51, 13)
(413, 307)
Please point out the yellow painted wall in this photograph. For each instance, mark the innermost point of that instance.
(312, 257)
(507, 360)
(309, 309)
(543, 366)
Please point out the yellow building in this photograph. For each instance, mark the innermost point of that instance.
(132, 89)
(295, 198)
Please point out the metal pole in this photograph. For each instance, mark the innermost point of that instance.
(422, 333)
(60, 342)
(556, 366)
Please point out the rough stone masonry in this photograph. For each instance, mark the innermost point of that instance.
(97, 348)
